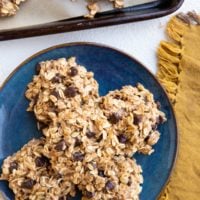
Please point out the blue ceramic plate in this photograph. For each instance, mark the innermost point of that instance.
(112, 70)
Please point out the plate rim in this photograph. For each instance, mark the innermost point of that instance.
(99, 45)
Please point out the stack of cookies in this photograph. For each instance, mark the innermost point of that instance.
(88, 141)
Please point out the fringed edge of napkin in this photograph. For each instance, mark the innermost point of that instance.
(170, 53)
(169, 57)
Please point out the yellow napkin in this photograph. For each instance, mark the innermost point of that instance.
(179, 73)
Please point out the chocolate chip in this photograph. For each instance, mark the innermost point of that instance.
(42, 161)
(110, 185)
(82, 102)
(61, 146)
(89, 194)
(57, 78)
(100, 138)
(126, 155)
(158, 104)
(13, 165)
(76, 189)
(78, 142)
(90, 134)
(137, 119)
(117, 96)
(28, 183)
(71, 91)
(42, 125)
(90, 92)
(160, 120)
(38, 68)
(78, 156)
(55, 93)
(129, 181)
(122, 138)
(114, 118)
(73, 71)
(146, 139)
(101, 173)
(59, 125)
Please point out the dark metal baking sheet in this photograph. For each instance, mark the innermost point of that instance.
(117, 16)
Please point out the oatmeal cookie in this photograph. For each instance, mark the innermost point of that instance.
(134, 116)
(71, 146)
(30, 175)
(111, 178)
(60, 85)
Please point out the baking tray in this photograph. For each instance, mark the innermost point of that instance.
(116, 16)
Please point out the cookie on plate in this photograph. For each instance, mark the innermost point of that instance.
(116, 178)
(134, 116)
(31, 176)
(60, 85)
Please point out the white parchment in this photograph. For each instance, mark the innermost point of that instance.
(34, 12)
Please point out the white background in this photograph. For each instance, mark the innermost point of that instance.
(139, 39)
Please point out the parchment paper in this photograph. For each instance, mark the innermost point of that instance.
(34, 12)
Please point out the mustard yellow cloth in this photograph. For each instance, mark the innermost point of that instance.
(179, 72)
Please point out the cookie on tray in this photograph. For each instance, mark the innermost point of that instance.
(93, 7)
(134, 116)
(9, 7)
(30, 175)
(116, 178)
(60, 85)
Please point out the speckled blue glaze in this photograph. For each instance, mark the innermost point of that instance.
(112, 70)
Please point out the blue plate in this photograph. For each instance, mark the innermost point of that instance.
(112, 70)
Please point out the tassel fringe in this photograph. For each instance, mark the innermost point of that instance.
(170, 53)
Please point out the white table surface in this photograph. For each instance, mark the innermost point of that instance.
(138, 39)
